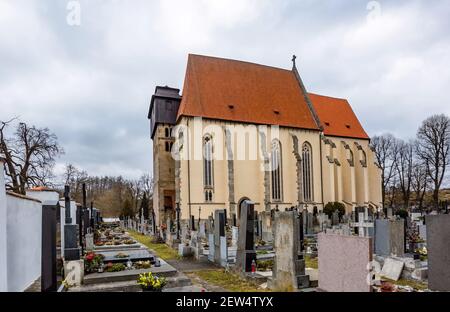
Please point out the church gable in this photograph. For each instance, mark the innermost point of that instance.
(232, 90)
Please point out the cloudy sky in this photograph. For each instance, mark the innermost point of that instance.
(91, 83)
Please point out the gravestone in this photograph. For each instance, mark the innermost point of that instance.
(390, 213)
(335, 218)
(246, 247)
(423, 231)
(89, 239)
(438, 237)
(266, 226)
(48, 258)
(343, 263)
(389, 237)
(362, 226)
(234, 236)
(202, 229)
(71, 249)
(211, 247)
(196, 245)
(289, 264)
(220, 251)
(210, 225)
(392, 269)
(309, 222)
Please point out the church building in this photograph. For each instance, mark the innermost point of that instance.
(247, 131)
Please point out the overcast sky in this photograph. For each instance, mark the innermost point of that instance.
(91, 83)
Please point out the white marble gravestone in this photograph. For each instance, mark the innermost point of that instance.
(211, 247)
(223, 251)
(89, 241)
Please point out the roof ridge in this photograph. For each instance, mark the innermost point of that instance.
(240, 61)
(327, 96)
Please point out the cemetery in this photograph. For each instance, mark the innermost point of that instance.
(297, 250)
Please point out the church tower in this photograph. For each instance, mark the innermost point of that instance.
(163, 114)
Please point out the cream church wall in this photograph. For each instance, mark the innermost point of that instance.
(354, 186)
(248, 176)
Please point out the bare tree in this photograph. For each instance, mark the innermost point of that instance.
(404, 166)
(386, 148)
(433, 149)
(30, 155)
(419, 182)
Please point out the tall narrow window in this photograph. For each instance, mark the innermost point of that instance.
(208, 162)
(276, 171)
(307, 172)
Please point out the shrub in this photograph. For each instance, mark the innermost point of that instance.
(331, 207)
(116, 267)
(402, 213)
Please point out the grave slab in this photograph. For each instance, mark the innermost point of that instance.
(392, 269)
(343, 263)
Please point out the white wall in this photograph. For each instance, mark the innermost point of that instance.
(24, 241)
(44, 196)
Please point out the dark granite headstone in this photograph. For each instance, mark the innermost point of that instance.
(71, 249)
(48, 258)
(246, 253)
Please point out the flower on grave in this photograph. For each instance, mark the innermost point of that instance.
(150, 282)
(90, 256)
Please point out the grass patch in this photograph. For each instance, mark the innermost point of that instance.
(162, 250)
(417, 285)
(227, 280)
(311, 263)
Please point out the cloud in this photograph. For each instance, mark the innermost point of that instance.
(91, 84)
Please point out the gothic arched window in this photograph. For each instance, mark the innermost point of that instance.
(307, 172)
(208, 172)
(276, 171)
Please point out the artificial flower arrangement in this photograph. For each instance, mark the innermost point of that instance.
(142, 265)
(149, 282)
(116, 267)
(92, 262)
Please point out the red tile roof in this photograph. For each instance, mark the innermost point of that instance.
(337, 117)
(232, 90)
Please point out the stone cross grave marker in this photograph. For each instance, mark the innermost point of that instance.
(362, 225)
(246, 253)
